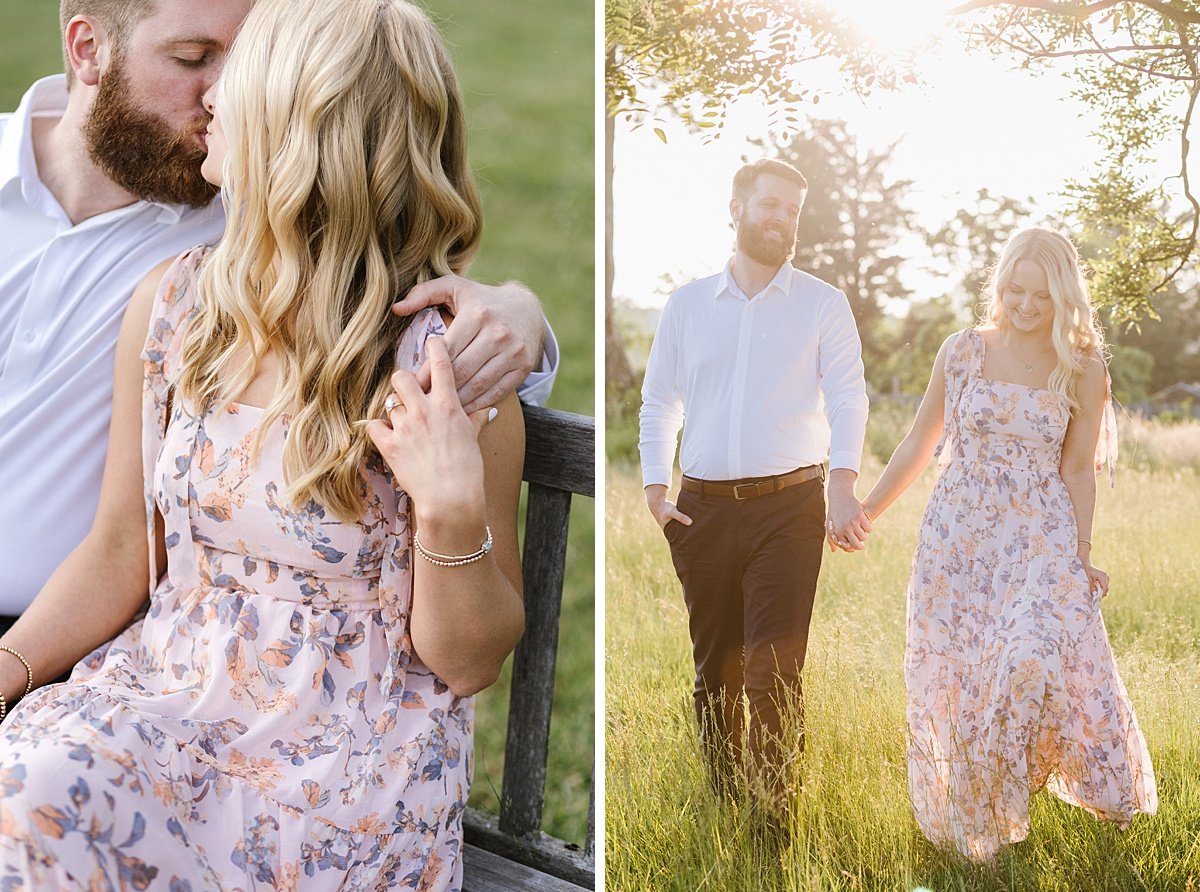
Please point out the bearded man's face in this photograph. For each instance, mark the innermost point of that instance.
(140, 151)
(767, 220)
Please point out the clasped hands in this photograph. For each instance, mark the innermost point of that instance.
(846, 523)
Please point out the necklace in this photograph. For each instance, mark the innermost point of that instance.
(1019, 358)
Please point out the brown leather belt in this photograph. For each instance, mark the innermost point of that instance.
(752, 488)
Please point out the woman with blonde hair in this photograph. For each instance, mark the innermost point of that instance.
(1011, 681)
(293, 709)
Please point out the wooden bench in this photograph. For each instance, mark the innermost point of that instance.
(512, 852)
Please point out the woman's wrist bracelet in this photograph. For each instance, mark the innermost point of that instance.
(28, 670)
(453, 560)
(1083, 542)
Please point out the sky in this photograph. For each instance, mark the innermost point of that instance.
(978, 122)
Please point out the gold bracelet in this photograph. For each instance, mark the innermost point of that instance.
(1087, 542)
(28, 669)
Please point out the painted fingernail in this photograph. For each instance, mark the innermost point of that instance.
(492, 413)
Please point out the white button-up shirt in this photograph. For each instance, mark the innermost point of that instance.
(63, 292)
(761, 385)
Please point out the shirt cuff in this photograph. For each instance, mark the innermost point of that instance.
(848, 460)
(535, 390)
(651, 476)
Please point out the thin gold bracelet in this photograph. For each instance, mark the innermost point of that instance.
(25, 663)
(1087, 542)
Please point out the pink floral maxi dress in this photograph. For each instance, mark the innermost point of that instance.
(267, 724)
(1011, 681)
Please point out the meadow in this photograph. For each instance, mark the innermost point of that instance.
(851, 828)
(527, 78)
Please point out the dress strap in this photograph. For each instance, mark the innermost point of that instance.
(396, 581)
(174, 304)
(1106, 445)
(963, 362)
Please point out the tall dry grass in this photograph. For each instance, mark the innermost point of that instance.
(852, 829)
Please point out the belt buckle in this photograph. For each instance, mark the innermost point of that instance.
(737, 494)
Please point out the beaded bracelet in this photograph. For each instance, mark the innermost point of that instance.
(28, 670)
(453, 560)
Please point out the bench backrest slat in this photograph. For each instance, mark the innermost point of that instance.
(560, 461)
(546, 516)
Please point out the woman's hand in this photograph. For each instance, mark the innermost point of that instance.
(1097, 578)
(432, 445)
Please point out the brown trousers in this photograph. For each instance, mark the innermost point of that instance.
(749, 573)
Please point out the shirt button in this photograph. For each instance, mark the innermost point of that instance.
(29, 336)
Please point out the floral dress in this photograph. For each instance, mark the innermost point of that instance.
(266, 724)
(1011, 681)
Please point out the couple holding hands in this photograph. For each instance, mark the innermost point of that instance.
(1011, 682)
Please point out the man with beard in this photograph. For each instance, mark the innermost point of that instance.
(761, 365)
(99, 182)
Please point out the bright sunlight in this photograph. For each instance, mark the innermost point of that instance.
(893, 26)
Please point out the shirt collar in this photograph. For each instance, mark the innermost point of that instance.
(47, 98)
(782, 281)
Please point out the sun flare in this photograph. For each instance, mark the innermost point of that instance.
(894, 26)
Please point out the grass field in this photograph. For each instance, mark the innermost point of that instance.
(852, 826)
(527, 75)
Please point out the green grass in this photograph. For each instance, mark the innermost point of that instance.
(852, 828)
(527, 74)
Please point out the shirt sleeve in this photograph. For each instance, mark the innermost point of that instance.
(661, 416)
(842, 383)
(535, 389)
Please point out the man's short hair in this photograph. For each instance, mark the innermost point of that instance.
(117, 16)
(744, 179)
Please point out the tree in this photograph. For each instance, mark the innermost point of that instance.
(1136, 61)
(971, 241)
(914, 341)
(693, 58)
(853, 220)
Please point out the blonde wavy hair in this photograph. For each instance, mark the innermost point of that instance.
(1075, 332)
(346, 183)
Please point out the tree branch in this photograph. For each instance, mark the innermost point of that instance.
(997, 37)
(1184, 150)
(1078, 12)
(1082, 11)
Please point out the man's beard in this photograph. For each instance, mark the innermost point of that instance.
(140, 152)
(753, 242)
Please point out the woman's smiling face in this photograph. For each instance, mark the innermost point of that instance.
(1027, 300)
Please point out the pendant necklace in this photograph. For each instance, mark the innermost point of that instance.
(1028, 367)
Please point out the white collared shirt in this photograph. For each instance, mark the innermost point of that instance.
(761, 385)
(63, 291)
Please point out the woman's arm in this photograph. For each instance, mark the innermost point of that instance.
(97, 590)
(915, 450)
(465, 619)
(1077, 464)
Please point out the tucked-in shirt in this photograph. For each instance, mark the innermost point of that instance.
(761, 385)
(63, 292)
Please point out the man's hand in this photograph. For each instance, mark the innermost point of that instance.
(847, 525)
(495, 338)
(663, 511)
